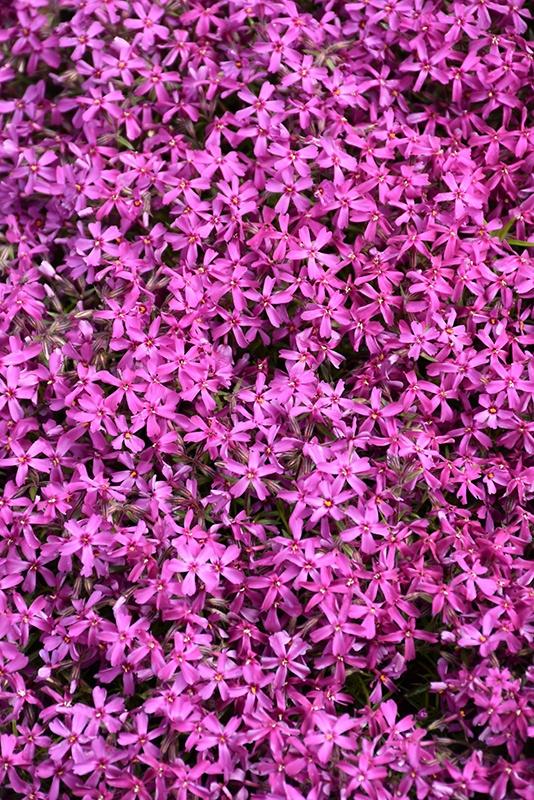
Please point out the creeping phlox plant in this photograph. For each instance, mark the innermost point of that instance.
(266, 419)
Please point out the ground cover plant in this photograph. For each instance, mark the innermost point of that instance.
(266, 432)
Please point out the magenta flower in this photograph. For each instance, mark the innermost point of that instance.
(310, 250)
(252, 474)
(332, 733)
(287, 651)
(84, 541)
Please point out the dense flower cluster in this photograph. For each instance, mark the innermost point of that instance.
(266, 433)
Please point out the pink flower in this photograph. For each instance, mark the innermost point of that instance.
(332, 733)
(252, 474)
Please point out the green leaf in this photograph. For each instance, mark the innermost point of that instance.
(505, 229)
(125, 142)
(520, 243)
